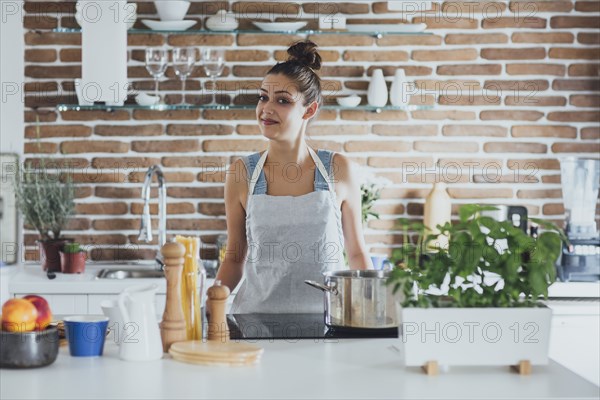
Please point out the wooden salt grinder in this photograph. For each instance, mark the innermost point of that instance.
(217, 299)
(172, 327)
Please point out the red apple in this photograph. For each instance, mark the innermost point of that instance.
(43, 309)
(19, 315)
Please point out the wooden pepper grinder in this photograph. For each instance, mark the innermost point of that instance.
(172, 327)
(217, 299)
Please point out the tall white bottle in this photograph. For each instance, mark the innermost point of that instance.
(438, 211)
(377, 95)
(399, 90)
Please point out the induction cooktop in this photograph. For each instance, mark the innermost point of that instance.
(296, 326)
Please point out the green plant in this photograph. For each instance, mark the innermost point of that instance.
(45, 201)
(370, 194)
(472, 269)
(71, 248)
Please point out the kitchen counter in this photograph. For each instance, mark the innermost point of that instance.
(31, 279)
(369, 368)
(83, 293)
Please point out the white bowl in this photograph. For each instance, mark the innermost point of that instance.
(280, 26)
(221, 26)
(222, 21)
(144, 99)
(172, 10)
(348, 101)
(169, 25)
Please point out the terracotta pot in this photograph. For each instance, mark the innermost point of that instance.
(49, 256)
(72, 263)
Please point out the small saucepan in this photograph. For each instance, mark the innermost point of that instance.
(358, 299)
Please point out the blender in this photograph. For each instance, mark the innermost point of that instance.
(580, 260)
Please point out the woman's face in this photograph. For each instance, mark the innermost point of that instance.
(280, 111)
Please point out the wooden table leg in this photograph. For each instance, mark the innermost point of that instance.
(431, 367)
(523, 368)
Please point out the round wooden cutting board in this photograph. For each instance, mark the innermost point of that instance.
(216, 353)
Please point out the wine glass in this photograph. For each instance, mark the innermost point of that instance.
(156, 64)
(213, 61)
(184, 60)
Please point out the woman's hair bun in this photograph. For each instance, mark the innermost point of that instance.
(305, 53)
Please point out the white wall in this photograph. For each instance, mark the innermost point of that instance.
(11, 73)
(11, 98)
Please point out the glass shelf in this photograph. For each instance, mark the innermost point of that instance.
(170, 107)
(374, 33)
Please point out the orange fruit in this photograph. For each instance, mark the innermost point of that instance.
(19, 315)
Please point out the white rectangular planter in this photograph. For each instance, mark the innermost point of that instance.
(475, 336)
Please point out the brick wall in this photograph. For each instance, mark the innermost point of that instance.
(514, 87)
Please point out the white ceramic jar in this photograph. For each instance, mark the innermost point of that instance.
(377, 94)
(222, 21)
(398, 91)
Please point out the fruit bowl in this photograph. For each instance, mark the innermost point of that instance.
(28, 349)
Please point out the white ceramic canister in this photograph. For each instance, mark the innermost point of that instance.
(377, 94)
(399, 90)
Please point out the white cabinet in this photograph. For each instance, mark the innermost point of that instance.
(94, 301)
(70, 304)
(65, 303)
(574, 344)
(6, 273)
(574, 336)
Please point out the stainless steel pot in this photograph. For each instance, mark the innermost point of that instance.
(358, 299)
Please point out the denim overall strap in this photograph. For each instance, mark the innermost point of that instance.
(257, 183)
(324, 179)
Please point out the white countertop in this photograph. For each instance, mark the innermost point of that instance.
(574, 289)
(31, 279)
(348, 369)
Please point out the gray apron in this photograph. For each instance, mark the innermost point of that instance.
(290, 239)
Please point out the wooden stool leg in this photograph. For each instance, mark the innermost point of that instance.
(431, 368)
(523, 368)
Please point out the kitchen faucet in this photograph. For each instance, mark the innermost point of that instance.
(146, 225)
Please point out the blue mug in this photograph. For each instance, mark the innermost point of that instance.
(85, 334)
(380, 261)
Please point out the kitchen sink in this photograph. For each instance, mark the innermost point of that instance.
(110, 273)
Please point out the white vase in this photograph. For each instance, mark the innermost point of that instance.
(398, 91)
(377, 95)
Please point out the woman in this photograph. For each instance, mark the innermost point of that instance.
(288, 215)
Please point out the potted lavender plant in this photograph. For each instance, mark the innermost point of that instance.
(46, 204)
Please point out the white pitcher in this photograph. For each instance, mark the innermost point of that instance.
(141, 335)
(110, 308)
